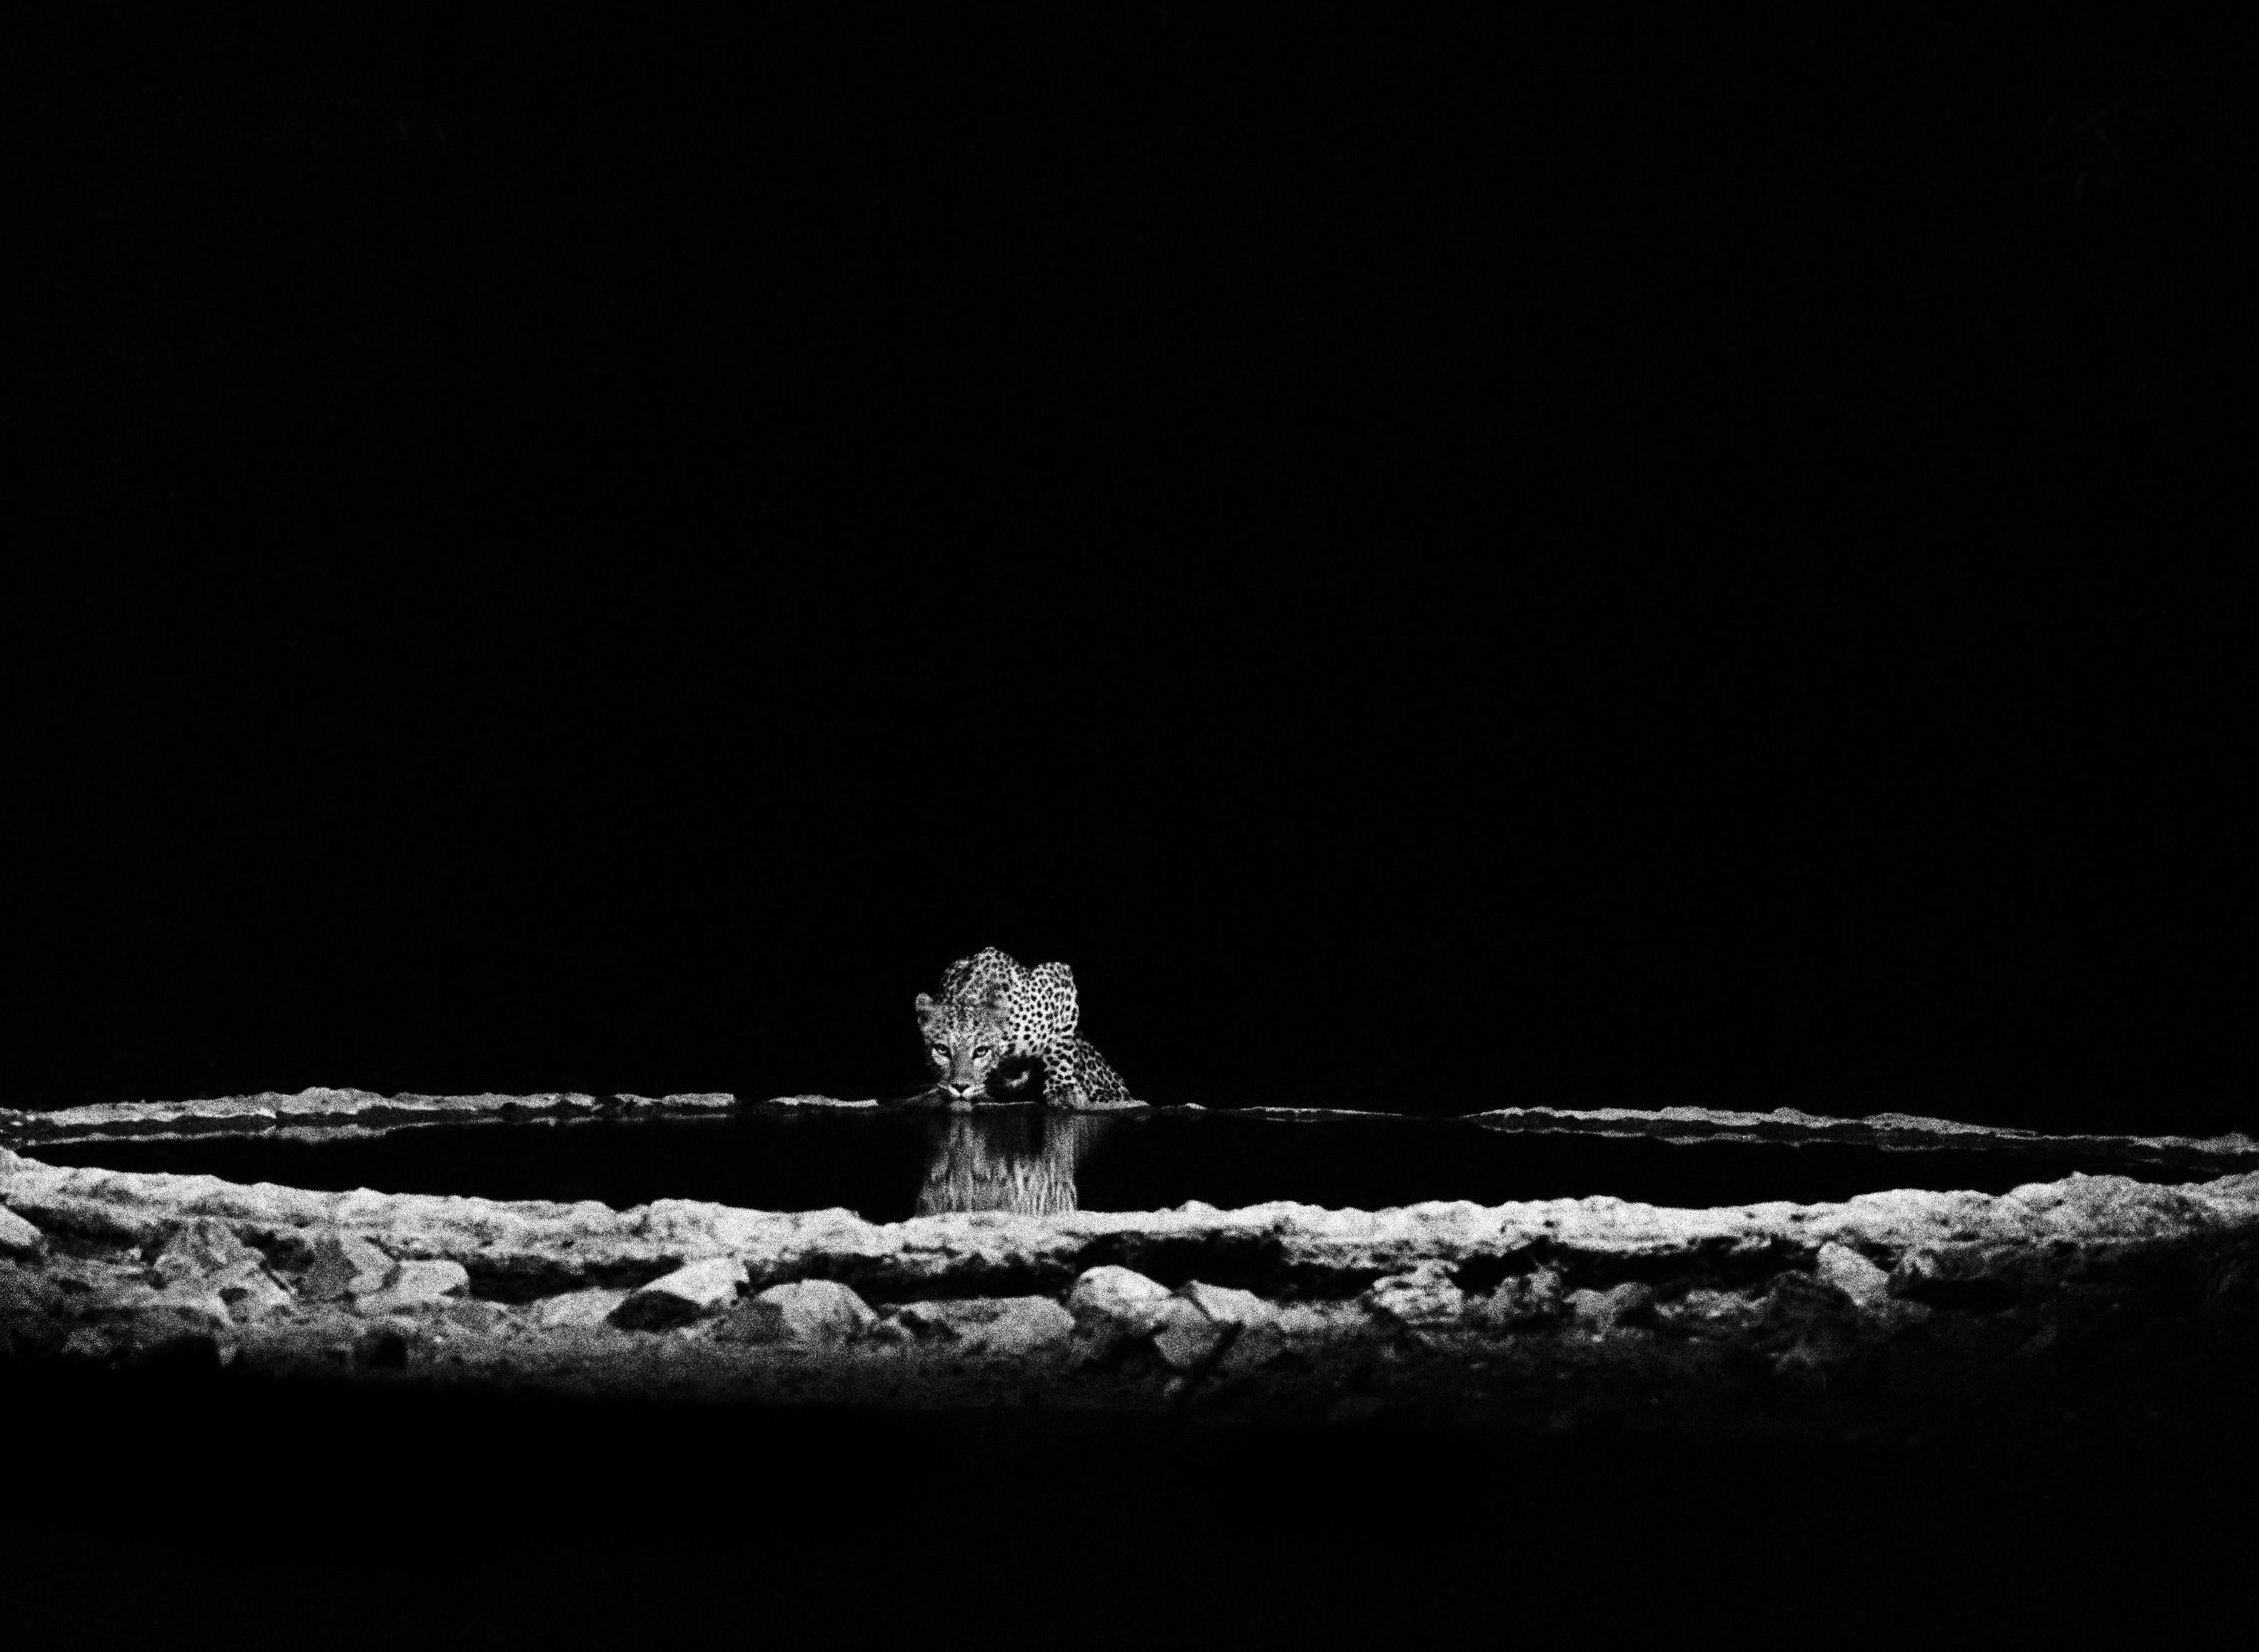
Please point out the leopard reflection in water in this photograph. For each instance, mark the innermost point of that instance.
(1022, 1162)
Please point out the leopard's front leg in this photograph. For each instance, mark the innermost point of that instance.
(1080, 1081)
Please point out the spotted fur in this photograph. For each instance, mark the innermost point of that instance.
(1003, 1032)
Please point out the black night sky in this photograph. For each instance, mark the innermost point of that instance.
(1630, 560)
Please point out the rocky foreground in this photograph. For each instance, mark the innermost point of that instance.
(2062, 1304)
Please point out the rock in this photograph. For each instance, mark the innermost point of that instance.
(1979, 1279)
(579, 1309)
(345, 1264)
(1226, 1306)
(211, 1278)
(1255, 1347)
(1531, 1299)
(1813, 1308)
(192, 1302)
(1315, 1321)
(1113, 1303)
(250, 1291)
(469, 1313)
(201, 1247)
(1632, 1303)
(709, 1101)
(1186, 1337)
(690, 1293)
(18, 1237)
(1856, 1276)
(1009, 1326)
(1709, 1308)
(1202, 1320)
(814, 1310)
(939, 1321)
(1026, 1325)
(415, 1285)
(1427, 1295)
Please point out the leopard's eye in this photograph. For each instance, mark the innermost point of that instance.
(940, 1051)
(982, 1050)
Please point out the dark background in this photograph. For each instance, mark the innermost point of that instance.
(1635, 560)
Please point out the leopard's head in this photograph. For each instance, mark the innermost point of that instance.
(966, 1047)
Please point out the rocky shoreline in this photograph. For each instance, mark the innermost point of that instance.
(329, 1110)
(1902, 1314)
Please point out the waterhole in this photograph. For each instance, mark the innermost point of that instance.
(888, 1165)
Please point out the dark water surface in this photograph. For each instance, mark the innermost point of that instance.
(888, 1165)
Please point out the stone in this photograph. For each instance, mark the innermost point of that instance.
(345, 1264)
(1426, 1296)
(1983, 1278)
(1010, 1327)
(201, 1247)
(1313, 1320)
(18, 1237)
(927, 1321)
(1600, 1312)
(1186, 1337)
(1523, 1300)
(821, 1312)
(1228, 1307)
(415, 1285)
(1703, 1308)
(469, 1313)
(706, 1100)
(577, 1309)
(1865, 1283)
(194, 1303)
(249, 1291)
(1255, 1346)
(690, 1293)
(1026, 1325)
(1112, 1303)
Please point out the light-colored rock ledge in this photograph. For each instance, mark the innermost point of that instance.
(1889, 1131)
(1893, 1309)
(335, 1109)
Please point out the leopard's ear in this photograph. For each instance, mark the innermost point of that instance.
(927, 1009)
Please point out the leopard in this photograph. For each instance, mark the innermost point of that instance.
(1003, 1032)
